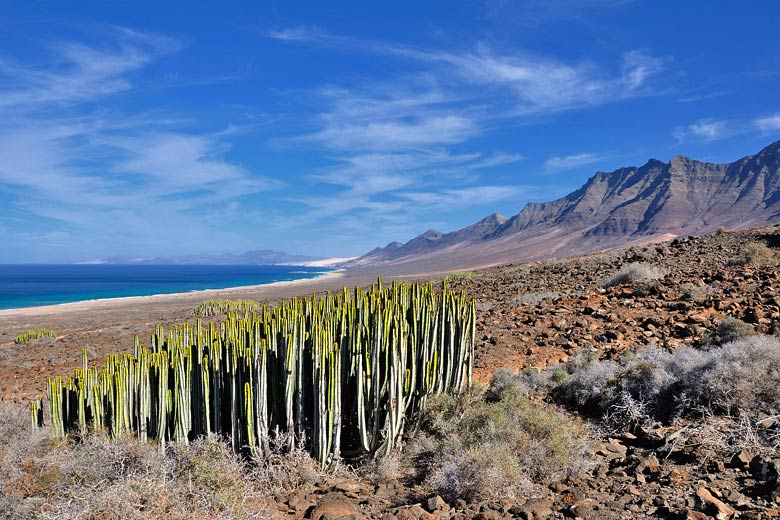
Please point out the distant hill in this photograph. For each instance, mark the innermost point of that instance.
(656, 201)
(256, 257)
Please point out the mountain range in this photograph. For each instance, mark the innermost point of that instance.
(632, 205)
(255, 257)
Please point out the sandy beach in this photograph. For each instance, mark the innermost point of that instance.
(107, 326)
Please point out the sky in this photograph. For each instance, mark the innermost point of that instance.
(330, 128)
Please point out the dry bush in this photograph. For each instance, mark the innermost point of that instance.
(587, 382)
(533, 298)
(634, 273)
(696, 293)
(482, 450)
(282, 471)
(740, 377)
(97, 477)
(755, 253)
(732, 329)
(713, 436)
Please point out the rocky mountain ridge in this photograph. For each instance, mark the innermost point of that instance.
(631, 205)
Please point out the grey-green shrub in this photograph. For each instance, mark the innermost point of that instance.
(733, 329)
(634, 273)
(755, 253)
(496, 449)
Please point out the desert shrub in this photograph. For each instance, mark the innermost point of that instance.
(587, 382)
(483, 450)
(732, 329)
(634, 273)
(741, 376)
(98, 477)
(755, 253)
(218, 306)
(528, 382)
(32, 334)
(283, 470)
(696, 293)
(532, 298)
(460, 275)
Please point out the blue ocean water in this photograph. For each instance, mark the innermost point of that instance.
(35, 285)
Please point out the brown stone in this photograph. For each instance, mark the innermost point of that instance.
(714, 505)
(333, 506)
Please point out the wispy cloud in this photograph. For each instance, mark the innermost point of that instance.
(474, 195)
(106, 175)
(570, 162)
(536, 83)
(705, 130)
(392, 137)
(768, 124)
(545, 85)
(80, 73)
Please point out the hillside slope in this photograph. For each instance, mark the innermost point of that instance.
(630, 205)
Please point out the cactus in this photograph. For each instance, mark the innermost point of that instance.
(32, 334)
(344, 374)
(218, 306)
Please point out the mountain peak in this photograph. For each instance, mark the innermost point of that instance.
(493, 218)
(632, 204)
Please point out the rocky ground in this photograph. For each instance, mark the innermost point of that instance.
(541, 314)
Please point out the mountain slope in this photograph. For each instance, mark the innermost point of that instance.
(655, 201)
(256, 257)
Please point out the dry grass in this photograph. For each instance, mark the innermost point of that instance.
(732, 385)
(756, 253)
(480, 449)
(97, 477)
(634, 273)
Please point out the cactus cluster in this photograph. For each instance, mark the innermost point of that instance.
(32, 334)
(343, 374)
(218, 306)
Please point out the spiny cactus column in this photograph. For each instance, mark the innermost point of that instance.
(343, 373)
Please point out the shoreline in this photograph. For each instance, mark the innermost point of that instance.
(162, 297)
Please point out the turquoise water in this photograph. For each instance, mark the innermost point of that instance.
(35, 285)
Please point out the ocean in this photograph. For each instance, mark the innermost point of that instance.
(35, 285)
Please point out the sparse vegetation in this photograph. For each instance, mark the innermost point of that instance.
(738, 379)
(532, 298)
(732, 329)
(460, 275)
(755, 253)
(215, 307)
(33, 334)
(696, 293)
(484, 448)
(634, 273)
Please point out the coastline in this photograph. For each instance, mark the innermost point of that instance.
(83, 305)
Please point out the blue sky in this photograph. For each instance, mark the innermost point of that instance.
(131, 128)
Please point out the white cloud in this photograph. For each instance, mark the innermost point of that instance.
(395, 133)
(705, 130)
(570, 162)
(79, 72)
(127, 182)
(768, 124)
(471, 196)
(546, 85)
